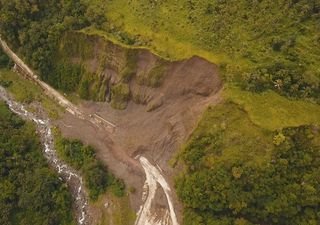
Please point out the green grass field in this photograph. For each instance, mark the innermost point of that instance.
(274, 112)
(234, 135)
(26, 91)
(118, 211)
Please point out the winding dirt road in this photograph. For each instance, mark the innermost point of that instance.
(153, 175)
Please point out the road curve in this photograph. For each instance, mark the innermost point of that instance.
(153, 178)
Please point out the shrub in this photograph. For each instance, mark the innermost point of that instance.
(82, 157)
(120, 94)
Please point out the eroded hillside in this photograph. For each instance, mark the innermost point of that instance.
(252, 158)
(155, 119)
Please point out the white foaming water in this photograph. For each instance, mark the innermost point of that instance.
(73, 179)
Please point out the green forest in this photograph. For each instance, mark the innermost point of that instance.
(82, 157)
(34, 29)
(238, 173)
(31, 192)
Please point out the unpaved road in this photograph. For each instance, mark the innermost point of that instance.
(153, 175)
(52, 92)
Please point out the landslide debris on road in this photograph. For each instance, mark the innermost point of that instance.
(164, 102)
(161, 100)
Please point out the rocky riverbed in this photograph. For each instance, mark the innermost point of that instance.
(69, 175)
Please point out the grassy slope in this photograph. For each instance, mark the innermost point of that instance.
(234, 133)
(118, 211)
(235, 34)
(274, 112)
(26, 91)
(234, 30)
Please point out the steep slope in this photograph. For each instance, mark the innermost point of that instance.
(257, 43)
(139, 57)
(157, 118)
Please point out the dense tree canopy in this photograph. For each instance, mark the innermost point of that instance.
(34, 29)
(5, 61)
(224, 185)
(96, 176)
(31, 193)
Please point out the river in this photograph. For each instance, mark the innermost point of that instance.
(69, 175)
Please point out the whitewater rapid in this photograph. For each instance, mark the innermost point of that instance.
(70, 176)
(75, 181)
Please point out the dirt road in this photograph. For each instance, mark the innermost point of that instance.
(154, 177)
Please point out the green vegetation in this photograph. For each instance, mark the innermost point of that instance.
(238, 173)
(243, 164)
(65, 77)
(31, 193)
(290, 80)
(262, 41)
(26, 91)
(153, 78)
(82, 157)
(120, 94)
(131, 66)
(118, 211)
(35, 28)
(122, 213)
(5, 61)
(272, 111)
(259, 44)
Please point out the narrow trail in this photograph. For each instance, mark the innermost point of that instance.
(69, 175)
(153, 174)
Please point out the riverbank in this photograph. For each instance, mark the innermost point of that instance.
(70, 176)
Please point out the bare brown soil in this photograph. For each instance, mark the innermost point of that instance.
(188, 88)
(154, 128)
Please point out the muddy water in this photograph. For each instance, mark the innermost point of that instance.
(70, 176)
